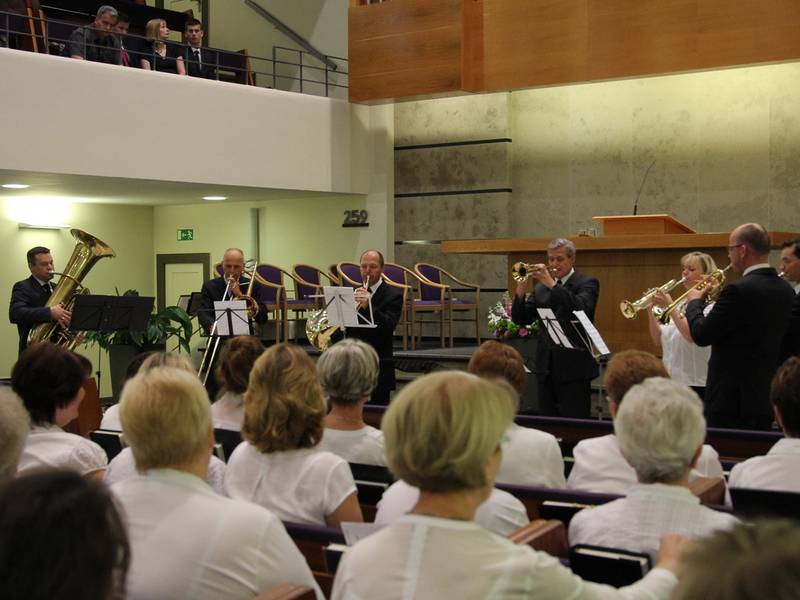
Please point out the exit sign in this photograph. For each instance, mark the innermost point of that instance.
(185, 235)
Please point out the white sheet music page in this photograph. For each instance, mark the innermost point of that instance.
(553, 327)
(591, 330)
(238, 318)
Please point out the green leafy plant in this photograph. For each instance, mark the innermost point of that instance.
(171, 322)
(502, 326)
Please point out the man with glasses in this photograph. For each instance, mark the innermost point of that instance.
(744, 329)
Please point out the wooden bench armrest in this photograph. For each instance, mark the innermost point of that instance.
(710, 490)
(547, 536)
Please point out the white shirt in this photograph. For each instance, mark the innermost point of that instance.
(188, 542)
(228, 412)
(531, 457)
(302, 486)
(123, 466)
(779, 470)
(637, 522)
(111, 420)
(754, 267)
(363, 446)
(427, 558)
(600, 467)
(685, 361)
(502, 513)
(51, 446)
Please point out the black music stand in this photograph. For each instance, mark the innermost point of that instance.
(111, 313)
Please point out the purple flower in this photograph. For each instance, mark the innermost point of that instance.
(523, 332)
(507, 333)
(496, 333)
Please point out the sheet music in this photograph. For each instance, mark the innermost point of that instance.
(553, 327)
(340, 305)
(238, 317)
(592, 332)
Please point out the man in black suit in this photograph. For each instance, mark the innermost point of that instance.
(565, 375)
(790, 266)
(199, 61)
(744, 329)
(387, 305)
(29, 296)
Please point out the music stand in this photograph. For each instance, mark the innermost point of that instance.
(340, 304)
(111, 313)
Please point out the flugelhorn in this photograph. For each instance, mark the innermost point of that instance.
(715, 278)
(630, 309)
(523, 271)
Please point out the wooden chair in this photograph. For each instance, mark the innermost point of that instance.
(395, 276)
(312, 540)
(432, 274)
(544, 535)
(288, 591)
(89, 412)
(350, 274)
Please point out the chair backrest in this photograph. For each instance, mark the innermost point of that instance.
(431, 273)
(309, 274)
(560, 511)
(608, 565)
(395, 273)
(336, 276)
(111, 441)
(534, 496)
(544, 535)
(272, 274)
(351, 274)
(228, 439)
(217, 270)
(765, 503)
(311, 541)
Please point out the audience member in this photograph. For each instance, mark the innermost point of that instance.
(443, 434)
(530, 457)
(348, 373)
(279, 465)
(127, 57)
(749, 562)
(660, 429)
(158, 54)
(61, 536)
(49, 379)
(780, 468)
(199, 61)
(599, 465)
(95, 42)
(236, 360)
(187, 541)
(14, 427)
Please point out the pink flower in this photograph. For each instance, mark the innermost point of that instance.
(496, 333)
(507, 334)
(523, 332)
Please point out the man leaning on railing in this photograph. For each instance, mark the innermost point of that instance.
(95, 41)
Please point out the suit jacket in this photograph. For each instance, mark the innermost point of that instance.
(27, 308)
(791, 340)
(744, 329)
(213, 289)
(205, 68)
(387, 305)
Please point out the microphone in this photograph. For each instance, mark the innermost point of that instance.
(641, 187)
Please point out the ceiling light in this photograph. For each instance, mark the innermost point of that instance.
(15, 186)
(215, 198)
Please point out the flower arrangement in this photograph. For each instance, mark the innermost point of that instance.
(501, 325)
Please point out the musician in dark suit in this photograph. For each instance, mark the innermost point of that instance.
(790, 266)
(387, 305)
(565, 374)
(29, 296)
(744, 329)
(199, 61)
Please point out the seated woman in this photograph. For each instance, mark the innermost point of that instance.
(348, 372)
(530, 457)
(235, 363)
(157, 53)
(14, 427)
(49, 380)
(599, 465)
(279, 465)
(660, 428)
(443, 435)
(61, 536)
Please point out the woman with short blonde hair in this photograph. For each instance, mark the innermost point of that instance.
(279, 465)
(158, 54)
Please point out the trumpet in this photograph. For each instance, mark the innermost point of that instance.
(715, 278)
(630, 309)
(523, 271)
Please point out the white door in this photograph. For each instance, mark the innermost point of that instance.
(180, 279)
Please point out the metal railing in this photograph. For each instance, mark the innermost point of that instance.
(287, 69)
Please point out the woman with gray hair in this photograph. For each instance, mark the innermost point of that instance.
(660, 429)
(348, 372)
(443, 435)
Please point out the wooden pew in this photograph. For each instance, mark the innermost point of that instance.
(534, 496)
(288, 591)
(311, 540)
(544, 535)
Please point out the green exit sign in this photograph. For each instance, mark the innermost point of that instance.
(185, 235)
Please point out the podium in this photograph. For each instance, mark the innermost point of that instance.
(641, 225)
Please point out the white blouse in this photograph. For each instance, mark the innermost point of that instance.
(111, 420)
(228, 412)
(123, 466)
(51, 446)
(685, 361)
(364, 446)
(302, 486)
(778, 470)
(428, 558)
(531, 457)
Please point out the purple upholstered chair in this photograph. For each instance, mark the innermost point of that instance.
(308, 282)
(432, 278)
(350, 273)
(395, 276)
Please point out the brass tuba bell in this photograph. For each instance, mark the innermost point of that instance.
(319, 331)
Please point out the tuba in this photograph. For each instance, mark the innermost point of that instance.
(86, 253)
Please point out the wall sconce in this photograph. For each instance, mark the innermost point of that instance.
(34, 226)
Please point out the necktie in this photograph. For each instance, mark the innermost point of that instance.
(125, 60)
(46, 288)
(559, 283)
(197, 57)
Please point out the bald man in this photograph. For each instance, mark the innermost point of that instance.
(744, 329)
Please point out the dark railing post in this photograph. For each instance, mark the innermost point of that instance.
(300, 54)
(326, 79)
(274, 68)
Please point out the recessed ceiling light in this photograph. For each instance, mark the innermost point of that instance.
(15, 186)
(214, 198)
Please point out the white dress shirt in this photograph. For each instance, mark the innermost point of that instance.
(600, 467)
(364, 446)
(428, 558)
(188, 542)
(531, 457)
(228, 412)
(637, 522)
(302, 486)
(685, 361)
(111, 420)
(778, 470)
(502, 513)
(51, 446)
(123, 466)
